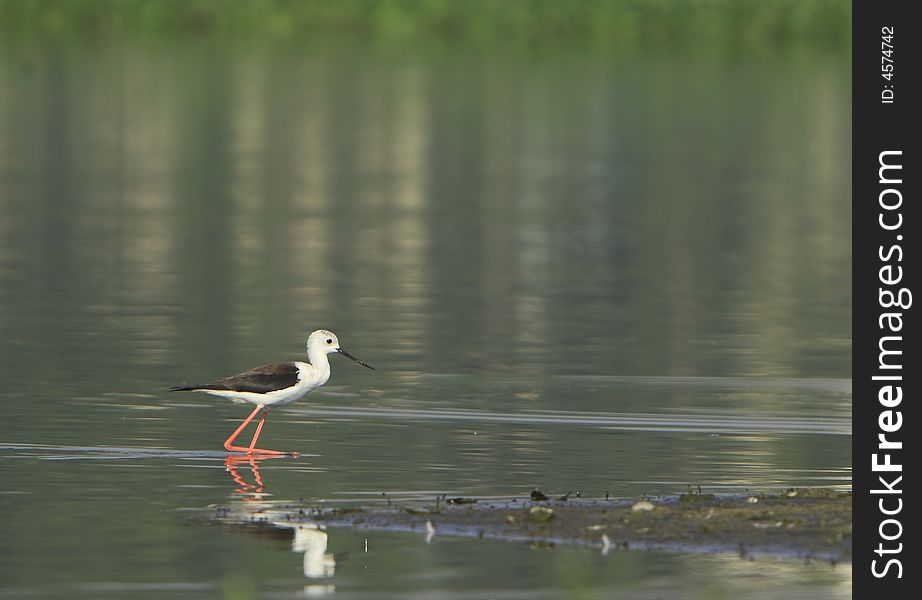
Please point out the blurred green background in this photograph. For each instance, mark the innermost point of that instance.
(646, 23)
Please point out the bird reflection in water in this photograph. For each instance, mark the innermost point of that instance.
(233, 465)
(310, 539)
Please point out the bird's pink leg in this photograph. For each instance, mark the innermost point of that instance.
(253, 449)
(259, 428)
(229, 442)
(229, 445)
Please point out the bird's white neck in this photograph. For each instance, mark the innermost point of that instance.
(318, 358)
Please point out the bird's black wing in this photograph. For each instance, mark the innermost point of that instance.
(261, 380)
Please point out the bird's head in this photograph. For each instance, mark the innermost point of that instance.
(326, 342)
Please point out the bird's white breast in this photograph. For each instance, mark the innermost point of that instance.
(309, 379)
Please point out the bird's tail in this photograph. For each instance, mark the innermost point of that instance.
(182, 388)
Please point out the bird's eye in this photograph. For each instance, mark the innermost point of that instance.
(329, 341)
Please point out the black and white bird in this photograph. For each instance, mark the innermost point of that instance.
(275, 385)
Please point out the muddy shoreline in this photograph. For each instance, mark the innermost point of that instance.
(812, 524)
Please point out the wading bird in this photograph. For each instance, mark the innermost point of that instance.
(275, 385)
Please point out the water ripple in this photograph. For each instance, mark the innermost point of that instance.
(714, 423)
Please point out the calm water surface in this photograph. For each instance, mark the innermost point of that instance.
(574, 270)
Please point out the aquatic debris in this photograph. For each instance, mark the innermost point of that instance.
(420, 511)
(461, 501)
(811, 493)
(642, 506)
(768, 525)
(538, 496)
(696, 496)
(344, 510)
(540, 514)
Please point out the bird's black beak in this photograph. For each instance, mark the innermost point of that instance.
(347, 355)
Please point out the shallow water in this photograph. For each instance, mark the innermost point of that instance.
(571, 272)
